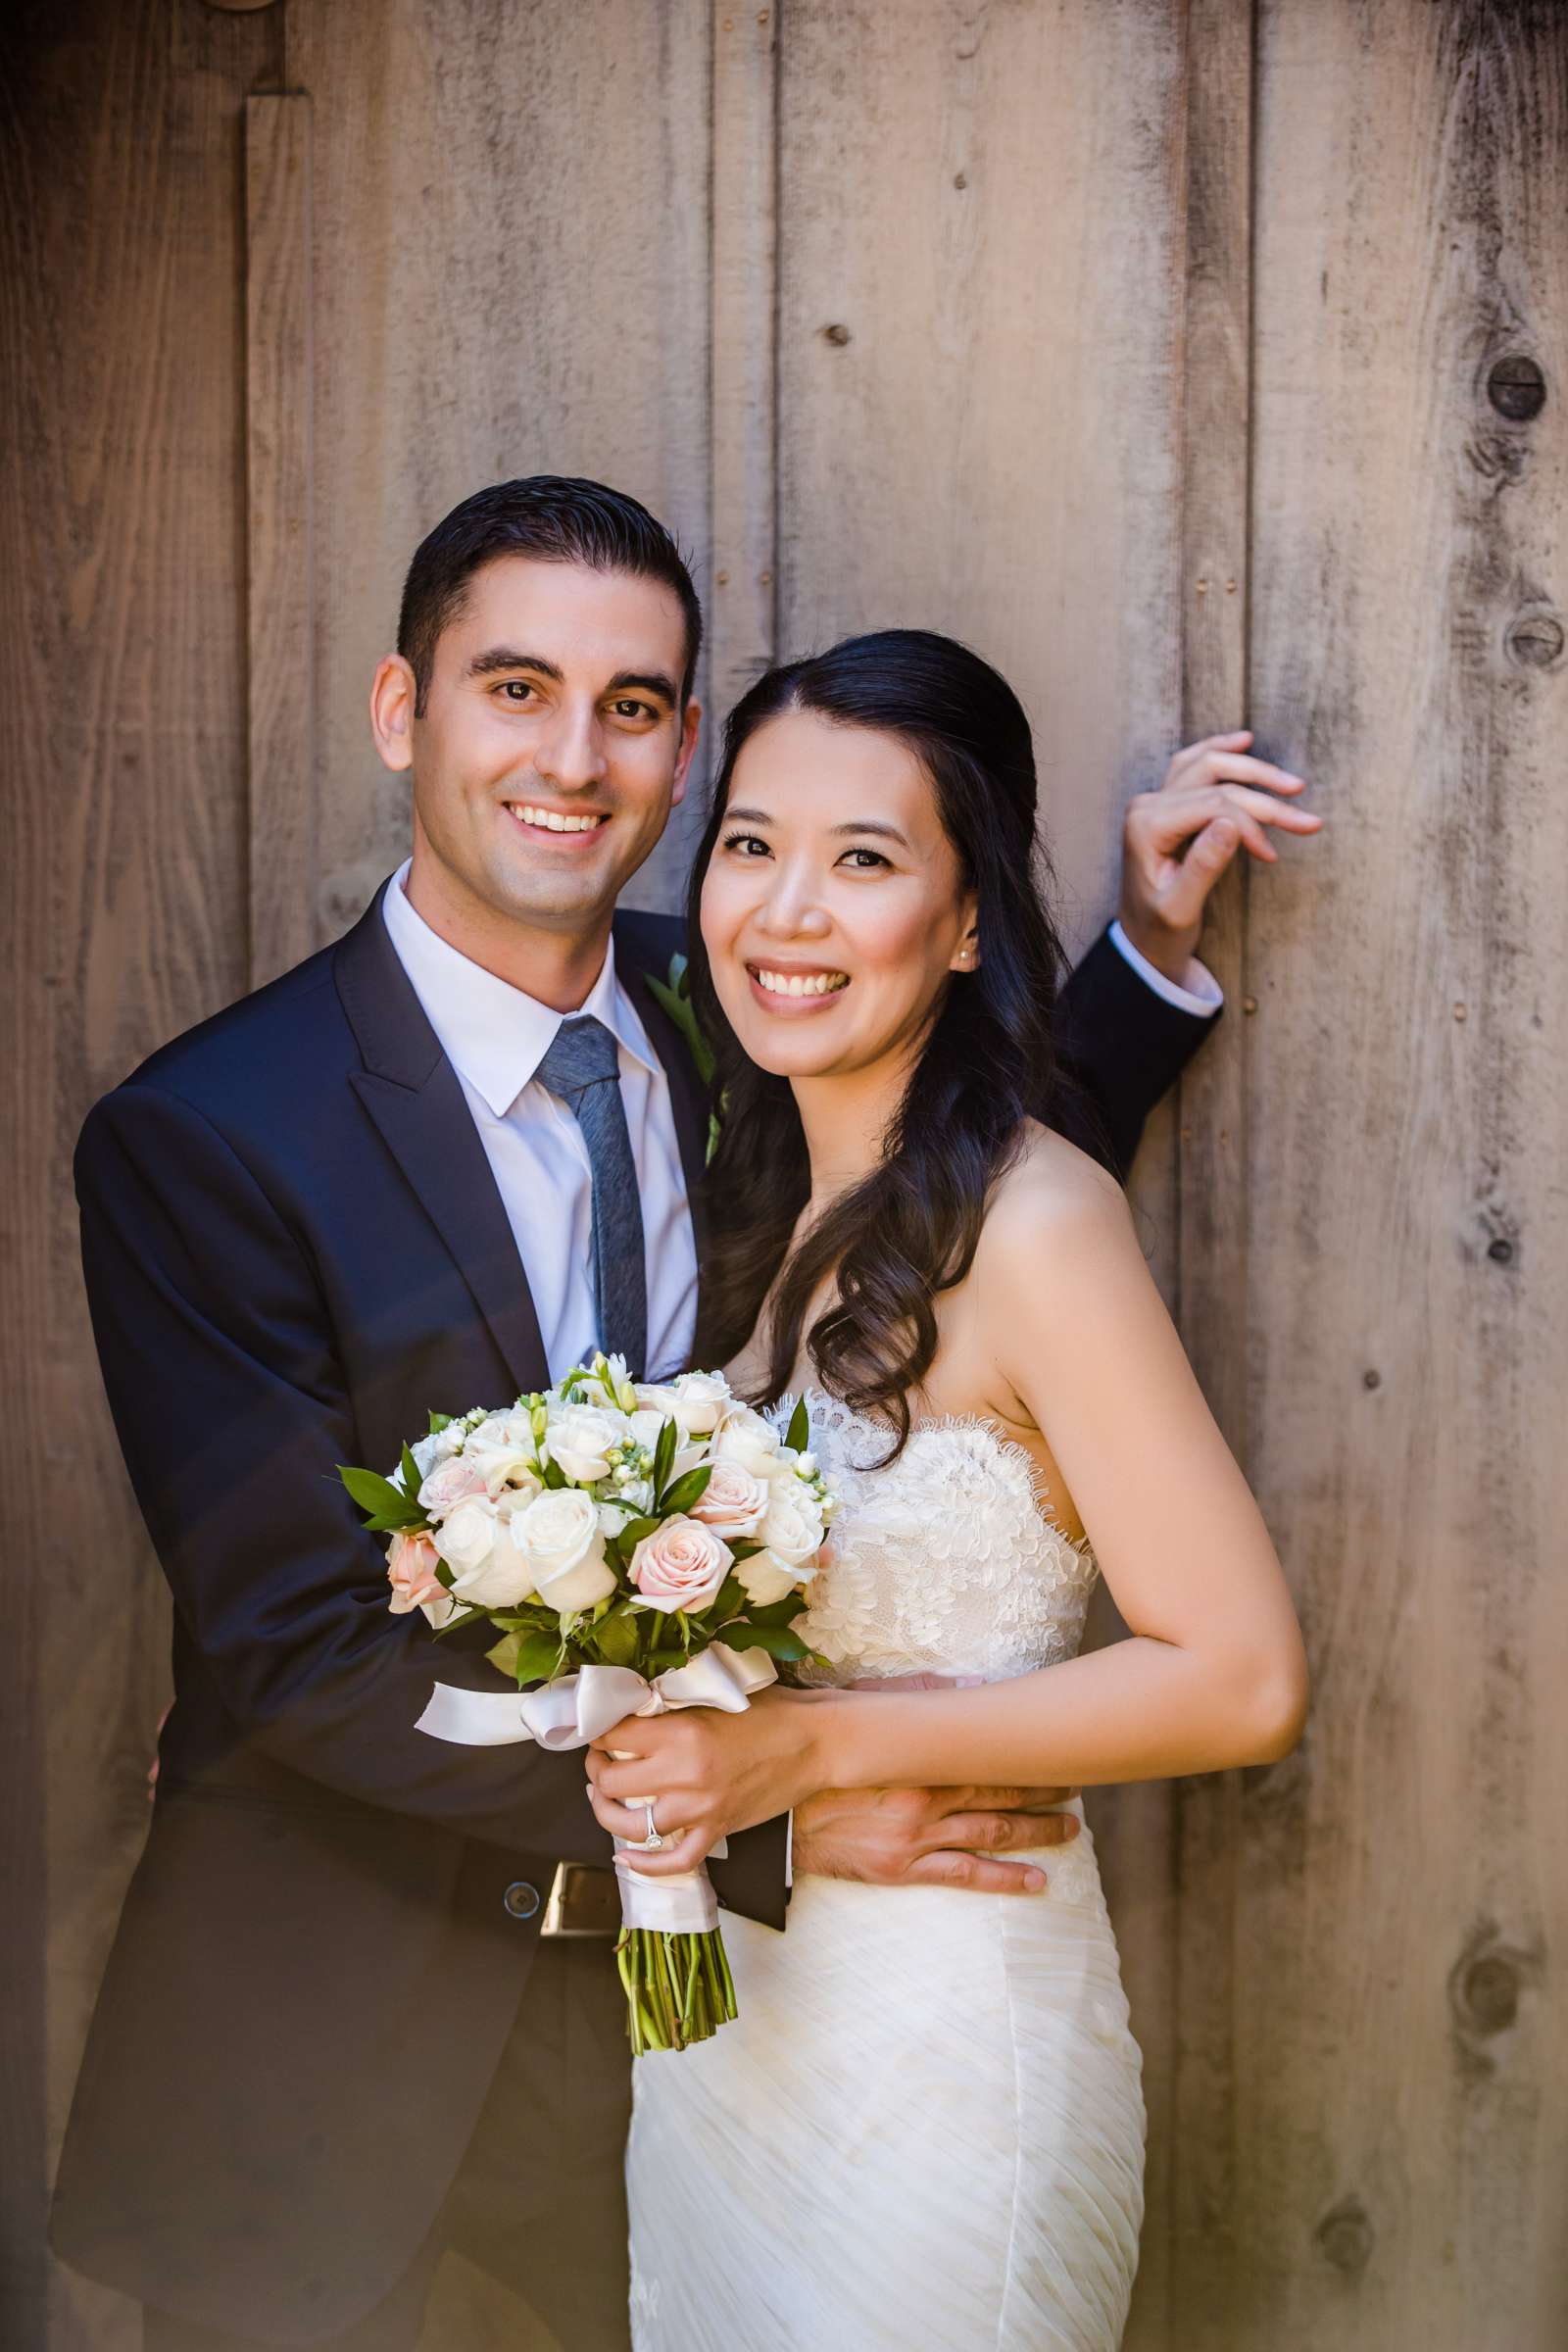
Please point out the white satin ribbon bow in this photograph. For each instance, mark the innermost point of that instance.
(579, 1709)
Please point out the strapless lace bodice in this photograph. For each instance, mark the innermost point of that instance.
(944, 1562)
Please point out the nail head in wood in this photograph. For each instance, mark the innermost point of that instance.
(1249, 1004)
(1371, 1380)
(1535, 640)
(836, 334)
(1500, 1251)
(1516, 387)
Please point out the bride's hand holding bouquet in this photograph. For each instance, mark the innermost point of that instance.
(641, 1550)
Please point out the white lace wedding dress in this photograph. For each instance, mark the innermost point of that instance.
(925, 2131)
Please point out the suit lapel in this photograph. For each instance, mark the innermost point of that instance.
(413, 1095)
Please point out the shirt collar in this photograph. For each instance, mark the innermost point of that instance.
(494, 1035)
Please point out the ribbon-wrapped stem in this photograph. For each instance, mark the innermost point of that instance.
(670, 1952)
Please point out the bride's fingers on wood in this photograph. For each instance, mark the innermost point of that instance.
(1190, 753)
(1218, 763)
(976, 1872)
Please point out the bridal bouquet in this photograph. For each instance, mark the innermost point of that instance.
(638, 1549)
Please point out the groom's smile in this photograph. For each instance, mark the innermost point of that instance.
(548, 747)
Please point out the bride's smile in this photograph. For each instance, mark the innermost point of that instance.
(834, 909)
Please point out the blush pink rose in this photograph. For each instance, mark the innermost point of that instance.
(733, 1503)
(411, 1571)
(448, 1484)
(680, 1565)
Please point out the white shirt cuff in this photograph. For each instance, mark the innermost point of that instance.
(789, 1849)
(1203, 994)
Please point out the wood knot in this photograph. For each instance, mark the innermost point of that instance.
(1485, 1986)
(1535, 640)
(1500, 1251)
(836, 334)
(1516, 387)
(1346, 2236)
(1487, 1993)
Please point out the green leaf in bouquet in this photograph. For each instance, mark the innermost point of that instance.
(614, 1638)
(744, 1547)
(728, 1601)
(686, 1490)
(776, 1640)
(664, 1455)
(439, 1422)
(798, 1434)
(553, 1474)
(633, 1533)
(464, 1617)
(531, 1657)
(380, 1497)
(778, 1612)
(413, 1478)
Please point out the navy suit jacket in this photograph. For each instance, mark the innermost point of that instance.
(293, 1249)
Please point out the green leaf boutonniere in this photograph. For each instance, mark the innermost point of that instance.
(675, 996)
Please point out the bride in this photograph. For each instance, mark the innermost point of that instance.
(927, 2128)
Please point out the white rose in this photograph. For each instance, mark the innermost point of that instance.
(748, 1442)
(466, 1537)
(655, 1397)
(700, 1401)
(486, 1572)
(561, 1542)
(646, 1425)
(766, 1578)
(425, 1453)
(581, 1437)
(502, 1450)
(792, 1528)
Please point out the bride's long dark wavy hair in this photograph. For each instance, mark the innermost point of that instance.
(911, 1228)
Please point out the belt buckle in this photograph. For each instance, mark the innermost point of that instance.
(584, 1900)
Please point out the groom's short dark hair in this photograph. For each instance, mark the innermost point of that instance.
(554, 520)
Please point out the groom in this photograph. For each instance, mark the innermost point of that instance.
(362, 2004)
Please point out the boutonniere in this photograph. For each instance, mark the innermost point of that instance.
(675, 996)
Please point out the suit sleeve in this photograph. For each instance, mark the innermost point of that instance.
(1123, 1049)
(217, 1352)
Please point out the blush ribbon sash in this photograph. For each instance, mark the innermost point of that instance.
(579, 1709)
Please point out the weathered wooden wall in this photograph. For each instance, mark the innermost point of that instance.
(1178, 355)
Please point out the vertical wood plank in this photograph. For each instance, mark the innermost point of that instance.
(980, 385)
(743, 598)
(122, 715)
(278, 389)
(1197, 2158)
(1401, 2086)
(511, 214)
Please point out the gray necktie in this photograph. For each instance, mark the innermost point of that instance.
(583, 1068)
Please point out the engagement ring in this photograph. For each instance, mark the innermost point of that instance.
(653, 1842)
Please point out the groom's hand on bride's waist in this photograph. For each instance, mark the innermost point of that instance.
(931, 1837)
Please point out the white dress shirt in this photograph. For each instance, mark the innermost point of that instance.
(495, 1038)
(1202, 995)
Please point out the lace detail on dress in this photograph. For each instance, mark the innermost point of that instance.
(944, 1562)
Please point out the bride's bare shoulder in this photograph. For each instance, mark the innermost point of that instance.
(1052, 1197)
